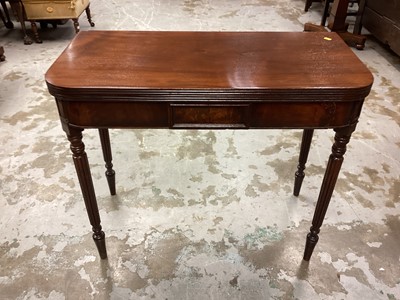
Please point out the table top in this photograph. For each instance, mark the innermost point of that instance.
(179, 61)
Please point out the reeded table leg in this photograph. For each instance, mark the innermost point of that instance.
(106, 147)
(342, 137)
(304, 150)
(85, 180)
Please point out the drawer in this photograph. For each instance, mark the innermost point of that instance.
(208, 115)
(47, 10)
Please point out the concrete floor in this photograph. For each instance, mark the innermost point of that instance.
(199, 214)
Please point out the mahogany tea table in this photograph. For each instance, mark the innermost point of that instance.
(208, 80)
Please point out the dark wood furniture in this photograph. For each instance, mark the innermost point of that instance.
(53, 11)
(2, 57)
(382, 19)
(45, 12)
(327, 7)
(309, 3)
(337, 23)
(17, 8)
(210, 80)
(6, 24)
(5, 16)
(6, 19)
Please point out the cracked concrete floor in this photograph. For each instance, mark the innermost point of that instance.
(198, 214)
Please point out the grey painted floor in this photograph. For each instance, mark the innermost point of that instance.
(198, 214)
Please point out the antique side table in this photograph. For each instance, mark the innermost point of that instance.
(208, 80)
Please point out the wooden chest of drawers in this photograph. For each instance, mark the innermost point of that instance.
(382, 19)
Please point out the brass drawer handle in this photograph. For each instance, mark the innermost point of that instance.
(50, 9)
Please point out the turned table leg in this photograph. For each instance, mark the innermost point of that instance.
(342, 137)
(106, 147)
(85, 180)
(304, 150)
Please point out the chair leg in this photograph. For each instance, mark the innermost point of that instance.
(360, 13)
(35, 32)
(19, 10)
(2, 57)
(89, 16)
(76, 25)
(308, 5)
(2, 18)
(325, 14)
(7, 21)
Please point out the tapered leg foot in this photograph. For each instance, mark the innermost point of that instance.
(311, 242)
(110, 175)
(100, 241)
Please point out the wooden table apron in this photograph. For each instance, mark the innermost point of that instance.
(208, 80)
